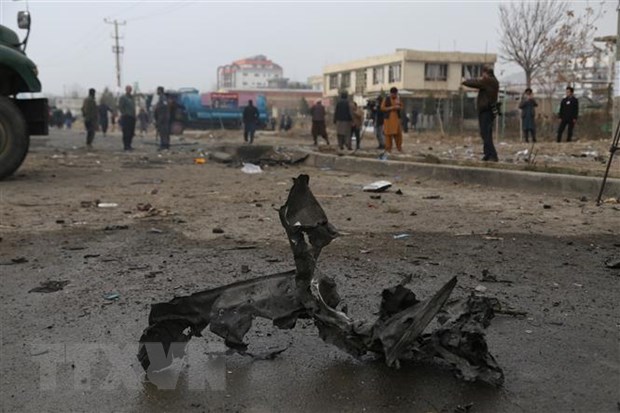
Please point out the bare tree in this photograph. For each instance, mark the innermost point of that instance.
(571, 47)
(528, 33)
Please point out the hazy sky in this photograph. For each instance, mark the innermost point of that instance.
(181, 43)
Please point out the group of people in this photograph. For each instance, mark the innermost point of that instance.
(61, 119)
(97, 116)
(568, 114)
(390, 121)
(487, 102)
(349, 121)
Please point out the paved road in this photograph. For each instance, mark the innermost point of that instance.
(73, 350)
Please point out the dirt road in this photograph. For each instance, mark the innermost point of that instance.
(156, 240)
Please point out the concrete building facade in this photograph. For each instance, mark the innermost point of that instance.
(429, 83)
(250, 73)
(415, 73)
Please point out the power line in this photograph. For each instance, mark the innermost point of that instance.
(168, 10)
(126, 9)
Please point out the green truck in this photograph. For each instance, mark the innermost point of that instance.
(21, 115)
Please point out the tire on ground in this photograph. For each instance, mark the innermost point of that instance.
(14, 139)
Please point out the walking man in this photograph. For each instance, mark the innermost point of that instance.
(569, 111)
(162, 119)
(89, 111)
(528, 115)
(318, 122)
(488, 90)
(127, 108)
(250, 120)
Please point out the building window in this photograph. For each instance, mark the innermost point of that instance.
(360, 81)
(435, 71)
(377, 75)
(472, 71)
(346, 80)
(333, 81)
(394, 73)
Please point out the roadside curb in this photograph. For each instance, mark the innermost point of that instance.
(560, 184)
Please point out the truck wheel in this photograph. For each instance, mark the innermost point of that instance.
(14, 139)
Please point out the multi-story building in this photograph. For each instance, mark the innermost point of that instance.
(415, 73)
(251, 73)
(316, 82)
(429, 83)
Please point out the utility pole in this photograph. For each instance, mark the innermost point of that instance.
(117, 49)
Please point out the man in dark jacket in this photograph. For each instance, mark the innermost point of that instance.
(90, 113)
(343, 119)
(162, 119)
(569, 111)
(127, 107)
(488, 90)
(318, 122)
(250, 121)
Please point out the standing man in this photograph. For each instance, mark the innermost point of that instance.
(569, 111)
(378, 119)
(392, 125)
(103, 117)
(343, 119)
(414, 119)
(528, 115)
(488, 90)
(250, 120)
(318, 122)
(162, 119)
(68, 119)
(358, 123)
(143, 118)
(127, 108)
(89, 111)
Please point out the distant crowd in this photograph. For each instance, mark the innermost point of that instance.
(390, 120)
(98, 116)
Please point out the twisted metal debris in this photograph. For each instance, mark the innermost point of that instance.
(457, 343)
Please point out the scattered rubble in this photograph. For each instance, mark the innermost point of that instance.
(457, 343)
(613, 263)
(378, 186)
(49, 286)
(13, 261)
(146, 210)
(111, 296)
(115, 227)
(250, 168)
(107, 205)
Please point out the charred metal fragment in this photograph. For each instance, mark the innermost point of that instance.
(396, 335)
